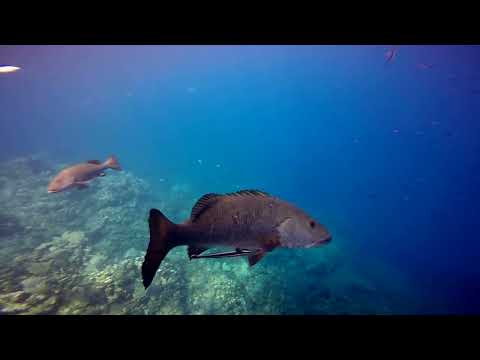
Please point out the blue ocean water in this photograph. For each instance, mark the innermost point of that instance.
(385, 154)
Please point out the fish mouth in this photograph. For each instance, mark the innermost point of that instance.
(323, 241)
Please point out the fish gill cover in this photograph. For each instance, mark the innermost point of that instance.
(378, 143)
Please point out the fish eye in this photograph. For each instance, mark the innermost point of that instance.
(312, 224)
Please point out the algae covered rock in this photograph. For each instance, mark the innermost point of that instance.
(35, 285)
(40, 268)
(73, 238)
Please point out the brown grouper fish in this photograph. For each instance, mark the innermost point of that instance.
(251, 222)
(79, 175)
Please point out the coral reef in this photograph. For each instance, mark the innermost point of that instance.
(80, 252)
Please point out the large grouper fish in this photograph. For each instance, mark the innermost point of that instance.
(251, 222)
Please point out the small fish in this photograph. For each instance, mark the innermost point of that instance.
(424, 66)
(8, 68)
(79, 175)
(250, 221)
(390, 55)
(218, 165)
(200, 161)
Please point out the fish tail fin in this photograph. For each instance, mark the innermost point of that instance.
(113, 163)
(159, 246)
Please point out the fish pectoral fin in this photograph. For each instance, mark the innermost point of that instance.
(102, 174)
(195, 251)
(270, 241)
(96, 162)
(255, 258)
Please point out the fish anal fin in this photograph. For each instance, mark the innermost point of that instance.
(193, 250)
(96, 162)
(255, 258)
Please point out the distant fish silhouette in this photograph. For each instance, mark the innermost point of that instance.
(390, 55)
(424, 66)
(453, 80)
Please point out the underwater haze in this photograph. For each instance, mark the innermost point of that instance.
(379, 143)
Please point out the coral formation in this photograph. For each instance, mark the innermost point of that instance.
(80, 252)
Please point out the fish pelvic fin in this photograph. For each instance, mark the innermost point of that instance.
(159, 246)
(255, 258)
(193, 250)
(113, 163)
(81, 185)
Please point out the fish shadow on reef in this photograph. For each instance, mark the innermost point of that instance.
(9, 225)
(37, 166)
(183, 303)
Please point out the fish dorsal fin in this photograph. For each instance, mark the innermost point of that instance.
(208, 199)
(203, 203)
(250, 192)
(96, 162)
